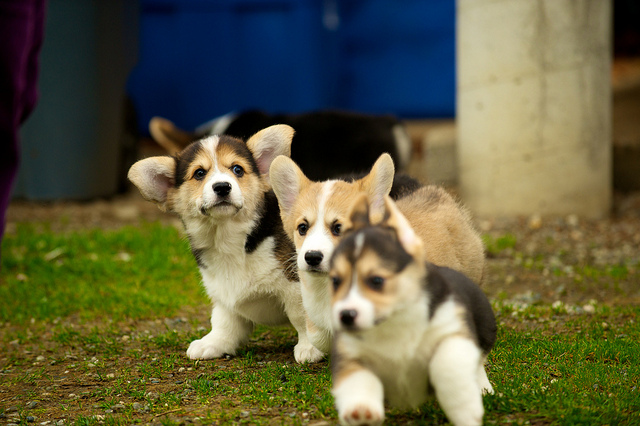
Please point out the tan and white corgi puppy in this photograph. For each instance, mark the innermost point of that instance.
(405, 329)
(219, 188)
(314, 213)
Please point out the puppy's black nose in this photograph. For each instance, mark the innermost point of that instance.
(222, 189)
(313, 257)
(348, 317)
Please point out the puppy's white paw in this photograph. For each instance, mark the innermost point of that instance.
(487, 389)
(208, 349)
(362, 414)
(467, 416)
(306, 352)
(483, 381)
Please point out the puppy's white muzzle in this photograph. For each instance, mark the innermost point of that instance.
(354, 312)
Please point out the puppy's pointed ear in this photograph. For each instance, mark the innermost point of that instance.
(154, 176)
(359, 213)
(377, 184)
(168, 136)
(268, 143)
(287, 181)
(393, 218)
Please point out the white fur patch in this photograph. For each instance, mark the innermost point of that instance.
(218, 125)
(210, 144)
(444, 322)
(359, 243)
(454, 375)
(354, 301)
(403, 144)
(318, 236)
(316, 298)
(359, 399)
(483, 381)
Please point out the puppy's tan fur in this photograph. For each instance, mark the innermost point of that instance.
(169, 136)
(446, 229)
(444, 226)
(302, 201)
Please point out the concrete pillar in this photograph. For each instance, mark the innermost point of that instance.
(534, 106)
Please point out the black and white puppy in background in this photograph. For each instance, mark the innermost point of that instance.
(404, 328)
(326, 144)
(219, 188)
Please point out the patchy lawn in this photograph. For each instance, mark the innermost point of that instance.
(96, 321)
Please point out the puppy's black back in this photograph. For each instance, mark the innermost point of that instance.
(328, 144)
(443, 283)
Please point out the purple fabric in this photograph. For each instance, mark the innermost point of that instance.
(21, 34)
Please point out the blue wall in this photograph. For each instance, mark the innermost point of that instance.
(203, 58)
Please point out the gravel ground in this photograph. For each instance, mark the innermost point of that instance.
(569, 259)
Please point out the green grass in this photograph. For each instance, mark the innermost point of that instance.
(132, 272)
(496, 245)
(84, 335)
(565, 368)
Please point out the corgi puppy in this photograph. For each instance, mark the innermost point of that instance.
(405, 329)
(219, 188)
(360, 138)
(314, 214)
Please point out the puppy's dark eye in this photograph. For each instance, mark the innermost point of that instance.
(336, 227)
(303, 228)
(335, 282)
(199, 174)
(375, 283)
(237, 170)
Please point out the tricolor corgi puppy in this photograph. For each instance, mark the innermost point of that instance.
(360, 138)
(314, 214)
(219, 187)
(405, 329)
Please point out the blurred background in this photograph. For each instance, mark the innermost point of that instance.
(109, 66)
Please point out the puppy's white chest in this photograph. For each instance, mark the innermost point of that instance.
(398, 351)
(406, 382)
(402, 366)
(316, 296)
(251, 284)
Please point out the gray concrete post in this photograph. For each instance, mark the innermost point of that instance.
(534, 106)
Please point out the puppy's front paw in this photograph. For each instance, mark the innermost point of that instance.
(306, 352)
(362, 414)
(487, 389)
(321, 339)
(208, 349)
